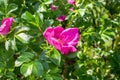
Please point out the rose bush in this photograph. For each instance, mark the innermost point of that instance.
(59, 39)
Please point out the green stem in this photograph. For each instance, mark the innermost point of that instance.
(65, 69)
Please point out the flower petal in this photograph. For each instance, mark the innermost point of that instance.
(8, 21)
(48, 33)
(57, 31)
(56, 43)
(71, 2)
(61, 18)
(71, 9)
(70, 36)
(53, 7)
(68, 49)
(5, 27)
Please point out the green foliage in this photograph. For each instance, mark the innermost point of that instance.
(25, 55)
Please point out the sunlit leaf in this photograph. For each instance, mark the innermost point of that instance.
(26, 69)
(24, 57)
(24, 38)
(55, 57)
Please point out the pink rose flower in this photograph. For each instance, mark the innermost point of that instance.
(62, 39)
(53, 7)
(5, 27)
(61, 18)
(71, 2)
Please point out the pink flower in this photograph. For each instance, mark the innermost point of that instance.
(71, 9)
(5, 27)
(61, 18)
(53, 7)
(71, 2)
(62, 39)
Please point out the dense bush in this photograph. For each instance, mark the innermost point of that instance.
(25, 54)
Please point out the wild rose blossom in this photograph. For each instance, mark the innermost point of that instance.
(5, 27)
(61, 18)
(71, 2)
(53, 7)
(62, 39)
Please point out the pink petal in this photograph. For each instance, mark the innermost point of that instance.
(70, 36)
(71, 2)
(56, 43)
(63, 40)
(5, 27)
(68, 49)
(8, 21)
(61, 18)
(57, 31)
(71, 9)
(48, 33)
(53, 7)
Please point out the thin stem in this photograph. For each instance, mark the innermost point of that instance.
(65, 69)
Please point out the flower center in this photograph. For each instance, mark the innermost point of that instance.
(60, 42)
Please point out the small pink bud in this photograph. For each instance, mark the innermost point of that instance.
(71, 9)
(71, 2)
(61, 18)
(5, 27)
(53, 7)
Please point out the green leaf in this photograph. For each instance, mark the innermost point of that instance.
(7, 44)
(42, 8)
(39, 19)
(10, 44)
(28, 16)
(82, 12)
(48, 23)
(26, 69)
(20, 29)
(24, 38)
(3, 2)
(48, 77)
(10, 75)
(12, 7)
(24, 57)
(49, 2)
(37, 68)
(72, 55)
(55, 57)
